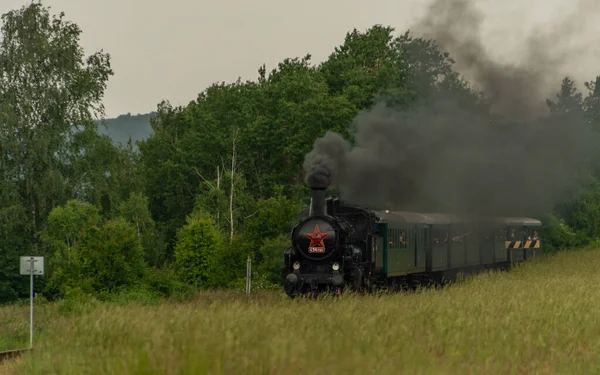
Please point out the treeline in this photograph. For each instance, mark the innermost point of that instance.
(218, 180)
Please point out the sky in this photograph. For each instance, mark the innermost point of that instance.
(175, 49)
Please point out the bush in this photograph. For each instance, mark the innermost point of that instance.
(164, 282)
(230, 262)
(197, 244)
(112, 256)
(557, 235)
(259, 283)
(75, 301)
(272, 258)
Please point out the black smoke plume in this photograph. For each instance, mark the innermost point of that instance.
(512, 158)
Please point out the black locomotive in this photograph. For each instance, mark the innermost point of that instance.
(330, 247)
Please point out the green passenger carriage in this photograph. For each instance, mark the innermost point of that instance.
(411, 243)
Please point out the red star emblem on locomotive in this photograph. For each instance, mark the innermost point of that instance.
(316, 241)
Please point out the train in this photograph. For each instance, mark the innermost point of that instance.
(336, 246)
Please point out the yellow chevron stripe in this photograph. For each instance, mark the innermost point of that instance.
(535, 244)
(514, 244)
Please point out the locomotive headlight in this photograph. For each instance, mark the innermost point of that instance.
(296, 265)
(335, 266)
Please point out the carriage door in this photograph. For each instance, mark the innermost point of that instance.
(421, 250)
(379, 250)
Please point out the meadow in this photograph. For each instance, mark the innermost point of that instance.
(542, 317)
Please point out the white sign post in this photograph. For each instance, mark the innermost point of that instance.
(248, 274)
(31, 265)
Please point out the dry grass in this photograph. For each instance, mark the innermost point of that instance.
(542, 318)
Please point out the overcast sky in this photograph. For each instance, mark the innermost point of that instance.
(174, 49)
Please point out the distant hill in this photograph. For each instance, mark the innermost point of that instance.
(121, 128)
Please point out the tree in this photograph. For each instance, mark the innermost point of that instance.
(271, 263)
(233, 178)
(569, 101)
(135, 211)
(592, 102)
(364, 65)
(112, 256)
(89, 254)
(66, 223)
(48, 92)
(197, 245)
(275, 216)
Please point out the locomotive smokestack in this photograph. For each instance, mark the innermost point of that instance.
(317, 202)
(318, 179)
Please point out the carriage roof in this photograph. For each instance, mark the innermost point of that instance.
(403, 217)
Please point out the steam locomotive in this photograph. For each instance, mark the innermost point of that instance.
(337, 246)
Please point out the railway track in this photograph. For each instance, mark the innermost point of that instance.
(9, 354)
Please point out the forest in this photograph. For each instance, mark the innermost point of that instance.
(221, 178)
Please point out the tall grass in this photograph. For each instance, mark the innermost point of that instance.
(543, 318)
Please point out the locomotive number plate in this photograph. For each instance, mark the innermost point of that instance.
(319, 250)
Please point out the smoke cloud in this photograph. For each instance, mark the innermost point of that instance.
(513, 159)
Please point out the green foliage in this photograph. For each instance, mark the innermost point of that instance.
(557, 235)
(217, 180)
(112, 256)
(66, 223)
(271, 259)
(164, 282)
(76, 301)
(197, 243)
(49, 91)
(213, 199)
(14, 229)
(274, 217)
(90, 255)
(66, 226)
(229, 264)
(365, 65)
(136, 211)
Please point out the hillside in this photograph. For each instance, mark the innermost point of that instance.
(121, 128)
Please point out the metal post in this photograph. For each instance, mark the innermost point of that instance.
(30, 269)
(248, 274)
(31, 304)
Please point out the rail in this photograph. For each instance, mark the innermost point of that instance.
(9, 354)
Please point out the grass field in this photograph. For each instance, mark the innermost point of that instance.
(541, 318)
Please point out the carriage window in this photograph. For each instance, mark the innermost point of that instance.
(440, 237)
(393, 238)
(501, 234)
(457, 236)
(523, 235)
(532, 235)
(403, 240)
(398, 238)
